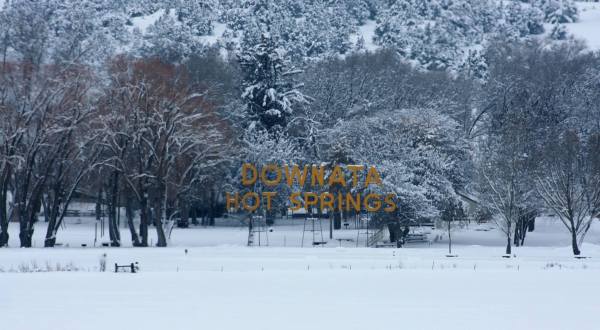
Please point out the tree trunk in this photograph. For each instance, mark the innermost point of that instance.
(184, 212)
(51, 214)
(450, 239)
(144, 220)
(24, 234)
(3, 231)
(193, 215)
(160, 232)
(212, 209)
(26, 222)
(337, 220)
(50, 239)
(3, 218)
(113, 226)
(576, 250)
(523, 235)
(46, 211)
(330, 225)
(27, 216)
(270, 217)
(508, 245)
(130, 215)
(531, 225)
(393, 228)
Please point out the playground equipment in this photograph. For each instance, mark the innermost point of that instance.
(315, 227)
(258, 231)
(372, 236)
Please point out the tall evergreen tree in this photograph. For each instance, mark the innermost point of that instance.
(270, 94)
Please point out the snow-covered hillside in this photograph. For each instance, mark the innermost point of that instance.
(588, 26)
(430, 34)
(356, 36)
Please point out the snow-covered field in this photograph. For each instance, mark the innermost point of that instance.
(549, 231)
(292, 288)
(208, 277)
(221, 284)
(304, 299)
(588, 26)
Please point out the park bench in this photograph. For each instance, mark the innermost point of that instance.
(132, 267)
(340, 240)
(386, 245)
(416, 238)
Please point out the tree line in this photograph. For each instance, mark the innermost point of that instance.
(164, 136)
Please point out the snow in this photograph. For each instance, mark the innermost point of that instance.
(302, 300)
(218, 30)
(275, 288)
(209, 278)
(143, 22)
(367, 31)
(588, 26)
(232, 231)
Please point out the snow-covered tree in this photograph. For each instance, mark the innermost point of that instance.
(197, 15)
(570, 184)
(360, 10)
(270, 93)
(520, 110)
(558, 11)
(158, 135)
(522, 19)
(475, 66)
(137, 8)
(506, 187)
(435, 33)
(559, 32)
(170, 40)
(419, 153)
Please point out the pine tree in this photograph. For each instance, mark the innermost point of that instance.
(558, 11)
(559, 32)
(197, 15)
(137, 8)
(435, 33)
(170, 40)
(270, 94)
(359, 10)
(475, 66)
(526, 19)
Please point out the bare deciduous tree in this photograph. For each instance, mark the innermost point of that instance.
(571, 184)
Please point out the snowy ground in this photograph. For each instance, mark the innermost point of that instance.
(588, 26)
(549, 232)
(220, 284)
(308, 299)
(367, 32)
